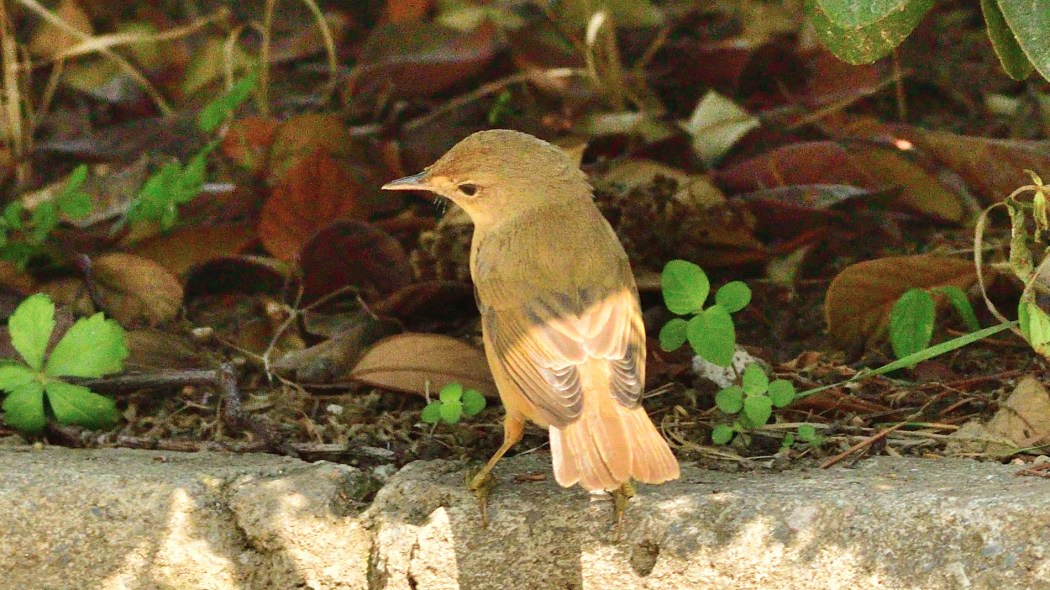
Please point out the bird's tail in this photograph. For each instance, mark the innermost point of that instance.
(610, 444)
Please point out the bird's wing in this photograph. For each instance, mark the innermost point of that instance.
(541, 344)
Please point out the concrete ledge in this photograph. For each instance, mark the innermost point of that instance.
(137, 519)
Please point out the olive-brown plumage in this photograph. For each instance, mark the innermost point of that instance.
(561, 321)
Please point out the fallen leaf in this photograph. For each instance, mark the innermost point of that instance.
(247, 141)
(322, 362)
(428, 305)
(1025, 415)
(236, 274)
(421, 363)
(302, 138)
(991, 167)
(859, 299)
(422, 58)
(151, 349)
(136, 290)
(319, 190)
(49, 39)
(861, 165)
(974, 437)
(352, 253)
(716, 124)
(406, 11)
(187, 246)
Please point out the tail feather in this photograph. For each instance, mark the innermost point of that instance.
(610, 444)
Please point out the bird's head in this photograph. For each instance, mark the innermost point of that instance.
(497, 174)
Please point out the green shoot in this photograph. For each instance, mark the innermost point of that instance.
(710, 330)
(452, 404)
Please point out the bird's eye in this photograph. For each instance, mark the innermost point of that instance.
(468, 189)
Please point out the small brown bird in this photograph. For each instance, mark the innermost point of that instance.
(561, 321)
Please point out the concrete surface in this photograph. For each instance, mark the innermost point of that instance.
(139, 519)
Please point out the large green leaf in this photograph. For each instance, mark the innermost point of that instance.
(856, 14)
(673, 334)
(24, 407)
(1030, 22)
(1014, 61)
(911, 322)
(30, 327)
(713, 336)
(862, 31)
(685, 287)
(74, 404)
(15, 375)
(93, 347)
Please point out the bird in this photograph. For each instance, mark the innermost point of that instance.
(560, 316)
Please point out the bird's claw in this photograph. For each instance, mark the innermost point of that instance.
(481, 484)
(620, 497)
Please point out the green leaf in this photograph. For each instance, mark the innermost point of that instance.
(685, 287)
(158, 194)
(473, 402)
(19, 253)
(1011, 56)
(75, 404)
(215, 112)
(733, 296)
(962, 306)
(24, 407)
(754, 379)
(861, 32)
(758, 408)
(806, 432)
(722, 434)
(781, 393)
(453, 392)
(15, 375)
(73, 201)
(432, 413)
(451, 412)
(44, 219)
(30, 326)
(672, 335)
(712, 336)
(730, 400)
(195, 174)
(1029, 20)
(93, 347)
(13, 214)
(1035, 326)
(911, 322)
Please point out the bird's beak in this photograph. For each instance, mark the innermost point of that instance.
(416, 182)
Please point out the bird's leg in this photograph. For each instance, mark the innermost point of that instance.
(483, 482)
(620, 497)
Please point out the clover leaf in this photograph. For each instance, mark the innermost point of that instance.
(93, 347)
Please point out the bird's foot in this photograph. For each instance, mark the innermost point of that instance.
(481, 484)
(620, 497)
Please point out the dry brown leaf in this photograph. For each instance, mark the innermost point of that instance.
(860, 298)
(247, 141)
(1025, 415)
(302, 137)
(48, 39)
(151, 349)
(321, 362)
(320, 190)
(864, 166)
(183, 248)
(418, 363)
(135, 289)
